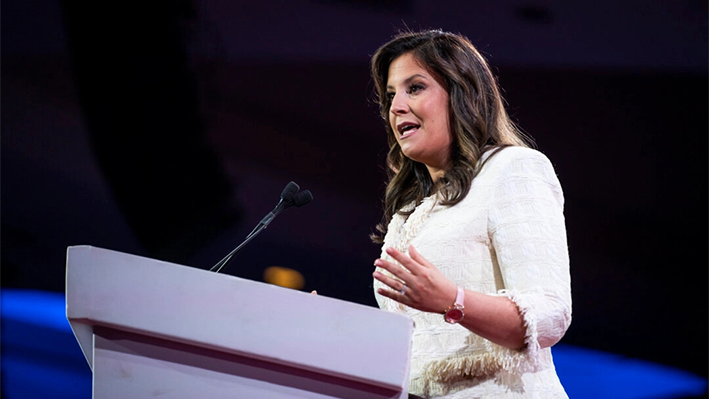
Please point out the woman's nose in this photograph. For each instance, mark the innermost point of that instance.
(399, 105)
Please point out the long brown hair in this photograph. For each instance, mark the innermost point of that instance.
(478, 120)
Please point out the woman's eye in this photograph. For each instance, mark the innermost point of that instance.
(415, 88)
(390, 95)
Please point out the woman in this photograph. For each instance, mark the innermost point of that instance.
(474, 243)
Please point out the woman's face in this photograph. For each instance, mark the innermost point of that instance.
(419, 114)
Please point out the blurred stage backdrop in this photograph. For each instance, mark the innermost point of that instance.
(169, 131)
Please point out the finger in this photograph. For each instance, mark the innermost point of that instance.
(395, 295)
(404, 259)
(418, 258)
(392, 268)
(314, 292)
(393, 283)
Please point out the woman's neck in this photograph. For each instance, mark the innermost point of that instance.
(435, 173)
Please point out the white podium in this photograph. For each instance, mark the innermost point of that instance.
(152, 329)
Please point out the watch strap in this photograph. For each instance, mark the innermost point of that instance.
(460, 297)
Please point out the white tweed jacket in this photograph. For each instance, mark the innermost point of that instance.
(506, 237)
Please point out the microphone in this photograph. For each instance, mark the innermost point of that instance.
(302, 198)
(287, 200)
(290, 196)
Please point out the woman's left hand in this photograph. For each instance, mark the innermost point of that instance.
(426, 288)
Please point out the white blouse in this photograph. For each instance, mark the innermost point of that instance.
(506, 237)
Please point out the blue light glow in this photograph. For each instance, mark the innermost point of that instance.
(38, 346)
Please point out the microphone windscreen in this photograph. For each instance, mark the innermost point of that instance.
(289, 191)
(302, 198)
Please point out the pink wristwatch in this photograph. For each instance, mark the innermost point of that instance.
(454, 314)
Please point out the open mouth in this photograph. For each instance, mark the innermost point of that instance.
(407, 129)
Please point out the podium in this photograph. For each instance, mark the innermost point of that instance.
(153, 329)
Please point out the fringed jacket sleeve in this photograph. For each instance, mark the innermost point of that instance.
(527, 231)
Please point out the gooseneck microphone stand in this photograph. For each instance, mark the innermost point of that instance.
(289, 197)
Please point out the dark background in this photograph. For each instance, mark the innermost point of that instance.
(169, 131)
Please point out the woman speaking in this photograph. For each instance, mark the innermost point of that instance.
(473, 238)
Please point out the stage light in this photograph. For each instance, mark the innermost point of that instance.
(284, 277)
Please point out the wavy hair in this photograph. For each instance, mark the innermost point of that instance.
(478, 120)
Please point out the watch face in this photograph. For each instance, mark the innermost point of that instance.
(454, 315)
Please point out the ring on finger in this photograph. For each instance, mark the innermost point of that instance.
(403, 289)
